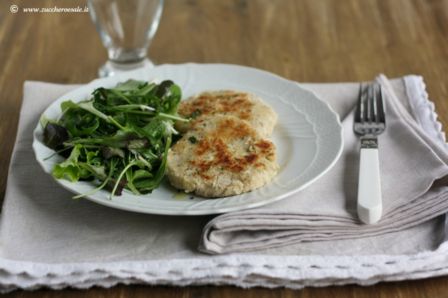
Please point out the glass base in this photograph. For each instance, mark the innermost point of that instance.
(111, 68)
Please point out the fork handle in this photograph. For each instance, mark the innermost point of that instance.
(370, 206)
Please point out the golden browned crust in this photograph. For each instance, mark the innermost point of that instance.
(230, 130)
(224, 102)
(242, 105)
(221, 156)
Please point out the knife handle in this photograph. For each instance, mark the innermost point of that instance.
(370, 206)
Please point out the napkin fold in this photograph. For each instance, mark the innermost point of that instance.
(411, 161)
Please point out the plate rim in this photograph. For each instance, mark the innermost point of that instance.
(192, 212)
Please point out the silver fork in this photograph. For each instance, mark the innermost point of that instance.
(370, 121)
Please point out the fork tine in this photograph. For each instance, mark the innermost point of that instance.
(359, 110)
(374, 103)
(380, 104)
(370, 100)
(366, 103)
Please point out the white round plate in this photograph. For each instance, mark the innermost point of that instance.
(308, 137)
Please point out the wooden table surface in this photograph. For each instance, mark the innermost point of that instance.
(303, 40)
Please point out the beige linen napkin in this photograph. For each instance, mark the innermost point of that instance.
(49, 240)
(410, 163)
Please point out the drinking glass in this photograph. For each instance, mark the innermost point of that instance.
(126, 28)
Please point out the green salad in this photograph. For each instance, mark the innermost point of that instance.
(117, 139)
